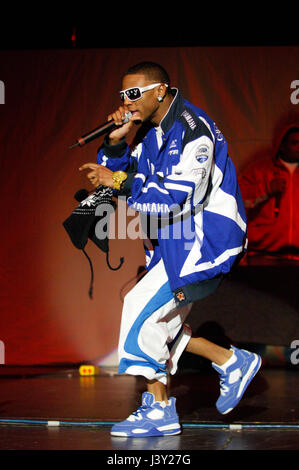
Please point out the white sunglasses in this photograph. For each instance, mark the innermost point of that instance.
(135, 93)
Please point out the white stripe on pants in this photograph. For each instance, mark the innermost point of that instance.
(151, 321)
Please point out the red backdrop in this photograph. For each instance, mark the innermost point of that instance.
(51, 98)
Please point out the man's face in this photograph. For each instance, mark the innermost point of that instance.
(147, 106)
(290, 148)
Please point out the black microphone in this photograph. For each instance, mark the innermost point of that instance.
(109, 126)
(277, 201)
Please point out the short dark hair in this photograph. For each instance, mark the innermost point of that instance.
(292, 130)
(151, 70)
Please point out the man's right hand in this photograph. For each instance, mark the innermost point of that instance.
(121, 132)
(276, 186)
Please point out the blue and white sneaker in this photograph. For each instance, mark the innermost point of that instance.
(152, 418)
(235, 376)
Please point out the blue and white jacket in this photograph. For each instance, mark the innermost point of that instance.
(180, 174)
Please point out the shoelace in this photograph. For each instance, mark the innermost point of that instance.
(223, 387)
(137, 414)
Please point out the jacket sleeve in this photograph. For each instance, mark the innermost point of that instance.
(114, 157)
(184, 188)
(117, 157)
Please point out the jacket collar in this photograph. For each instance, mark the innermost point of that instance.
(174, 110)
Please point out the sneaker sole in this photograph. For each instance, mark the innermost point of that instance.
(151, 433)
(252, 371)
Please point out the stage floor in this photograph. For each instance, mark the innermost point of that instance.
(32, 399)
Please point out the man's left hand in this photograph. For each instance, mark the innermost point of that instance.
(99, 174)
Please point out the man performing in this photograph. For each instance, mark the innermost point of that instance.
(180, 178)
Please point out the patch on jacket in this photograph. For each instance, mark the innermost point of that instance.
(189, 120)
(180, 296)
(202, 153)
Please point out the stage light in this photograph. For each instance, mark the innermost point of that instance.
(87, 370)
